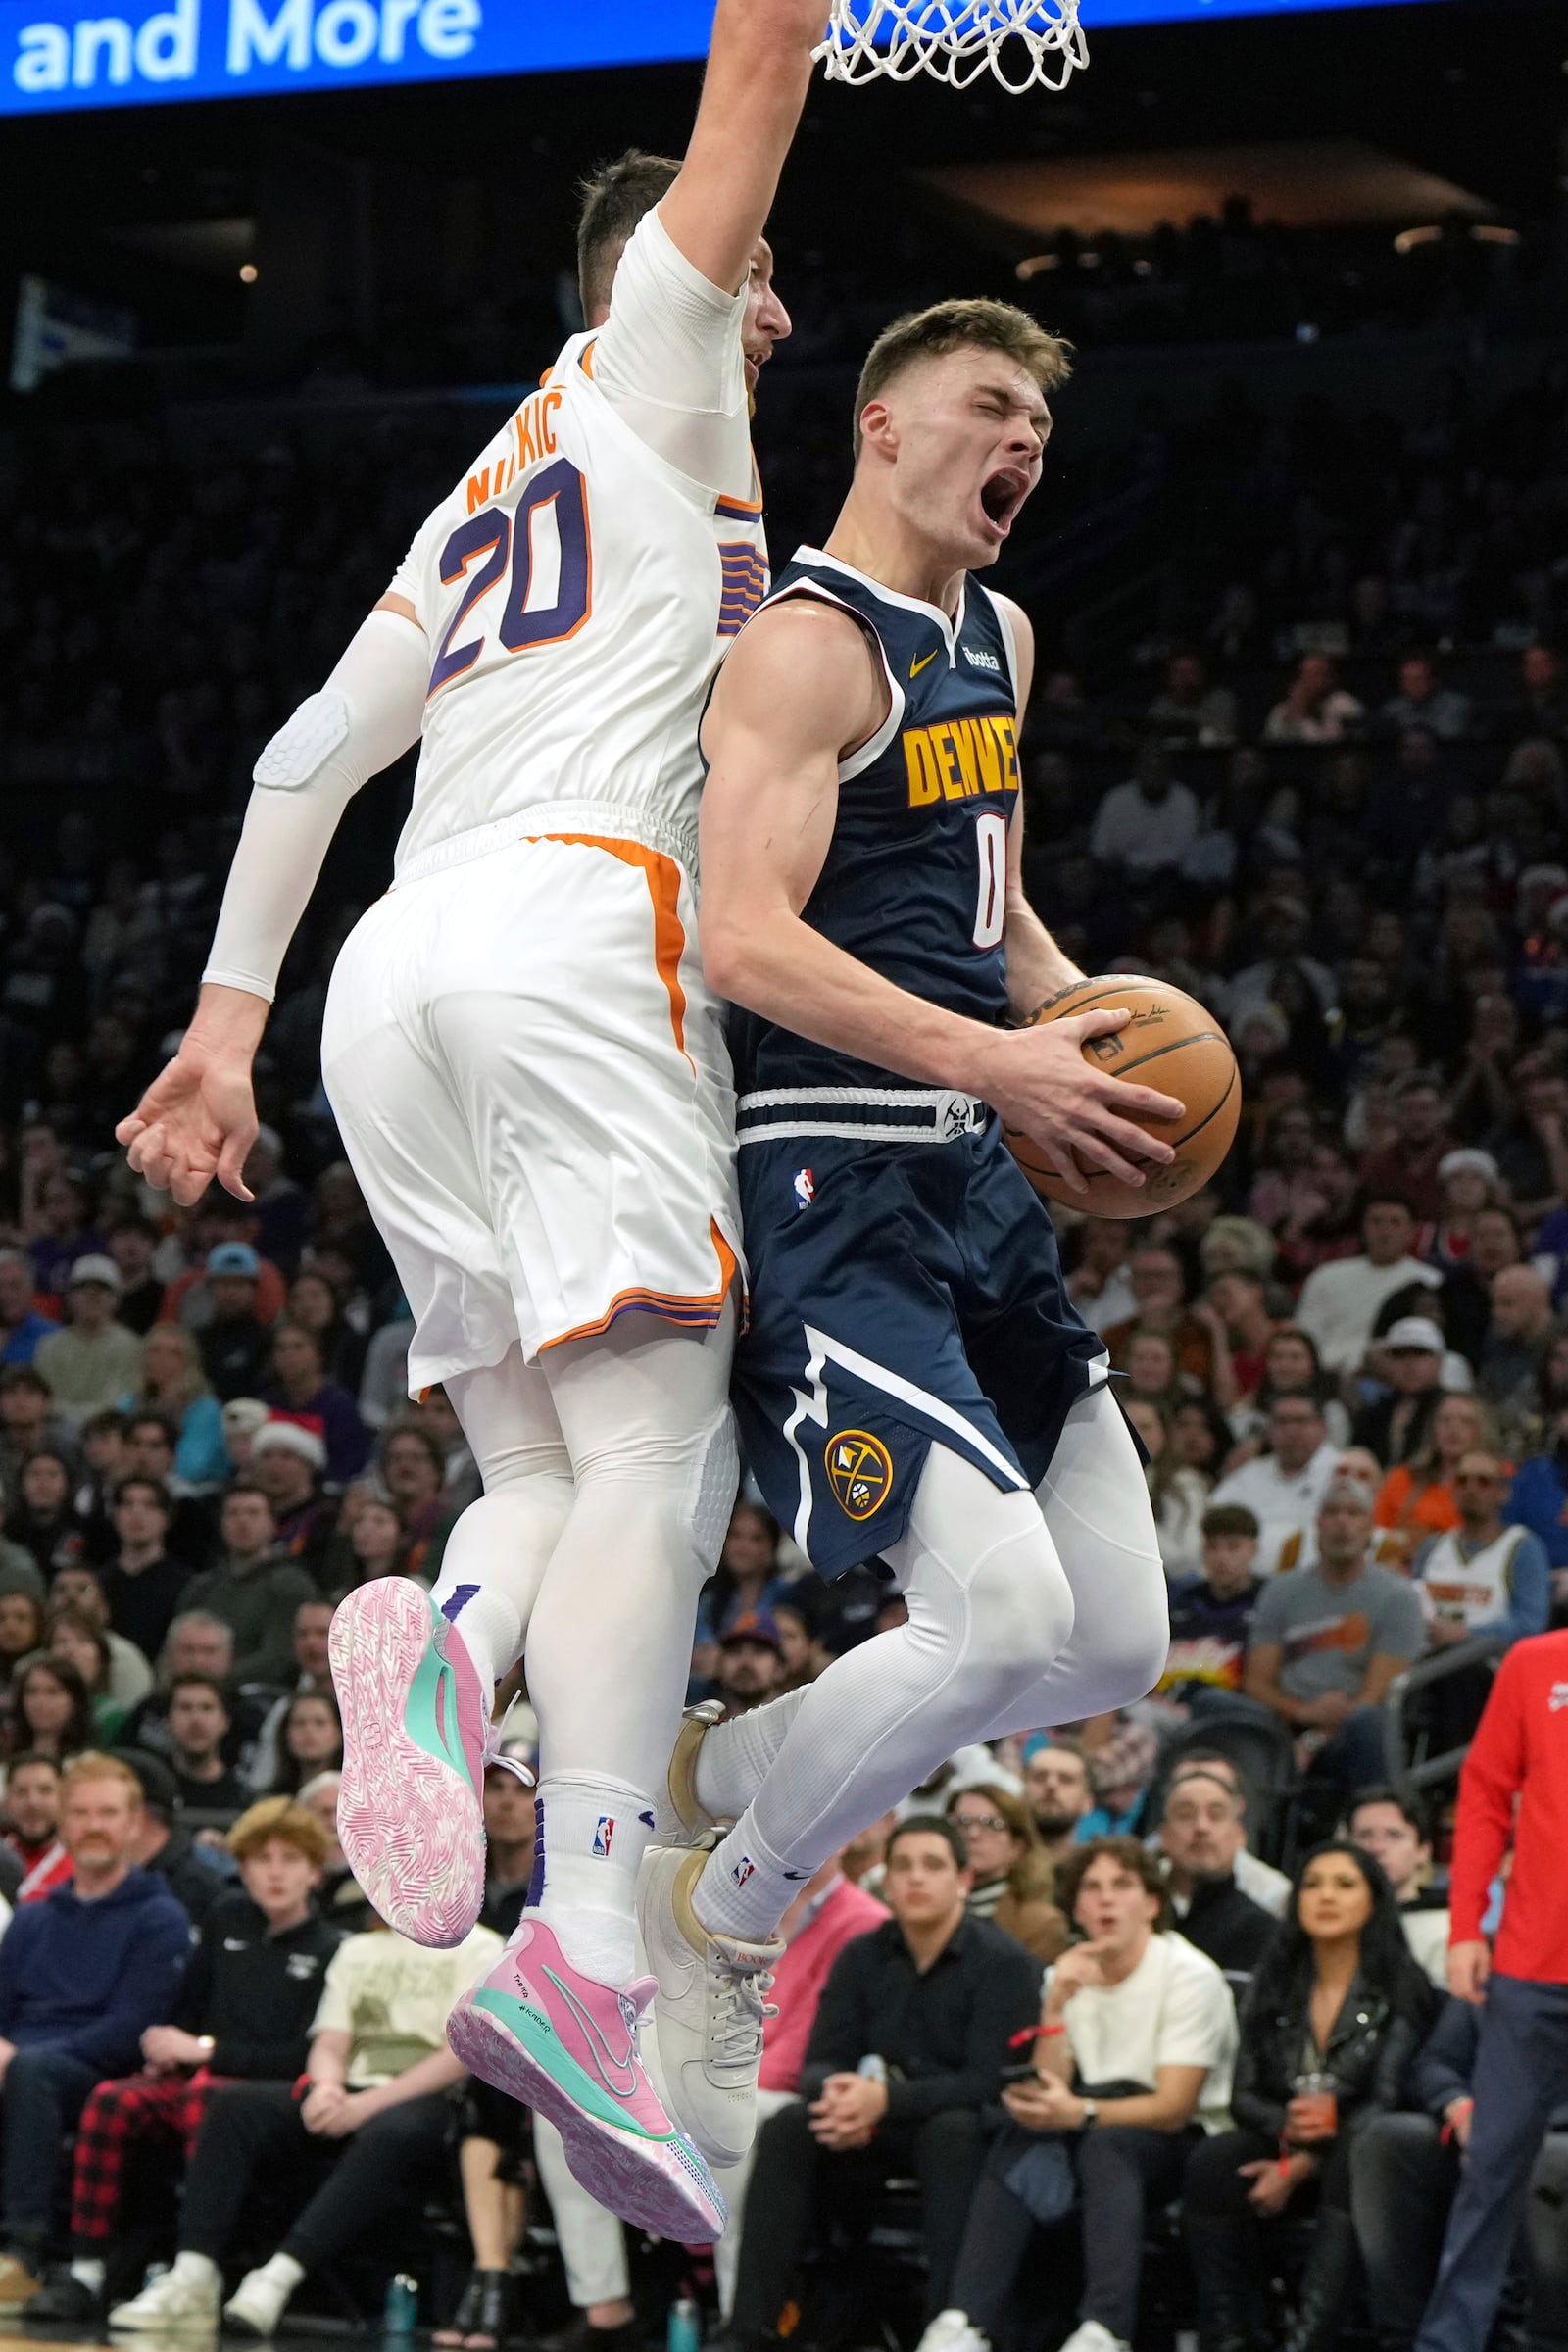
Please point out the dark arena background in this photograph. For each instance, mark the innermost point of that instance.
(276, 271)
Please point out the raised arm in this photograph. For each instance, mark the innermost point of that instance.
(758, 68)
(800, 689)
(197, 1121)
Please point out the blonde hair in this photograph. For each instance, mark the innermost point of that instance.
(961, 325)
(278, 1816)
(194, 1382)
(93, 1765)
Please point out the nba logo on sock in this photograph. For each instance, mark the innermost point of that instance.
(603, 1836)
(743, 1870)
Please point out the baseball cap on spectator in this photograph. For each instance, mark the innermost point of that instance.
(246, 1414)
(94, 1268)
(754, 1625)
(1414, 1334)
(1468, 1160)
(287, 1437)
(160, 1790)
(234, 1258)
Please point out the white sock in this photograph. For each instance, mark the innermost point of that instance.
(734, 1756)
(197, 2270)
(489, 1623)
(284, 2272)
(593, 1835)
(88, 2271)
(744, 1890)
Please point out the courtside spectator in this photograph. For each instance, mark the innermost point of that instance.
(197, 1644)
(80, 1587)
(144, 1582)
(371, 2128)
(1399, 1423)
(1481, 1580)
(23, 1629)
(151, 1441)
(1336, 2012)
(1009, 1876)
(1417, 1498)
(937, 1998)
(1393, 1825)
(1146, 825)
(1202, 1835)
(1131, 2066)
(1268, 1887)
(1210, 1614)
(751, 1663)
(94, 1362)
(1514, 1786)
(1328, 1639)
(510, 1837)
(1405, 2170)
(32, 1819)
(1284, 1487)
(309, 1741)
(42, 1520)
(243, 2013)
(82, 1973)
(1058, 1791)
(1340, 1303)
(253, 1588)
(828, 1912)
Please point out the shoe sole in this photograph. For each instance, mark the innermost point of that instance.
(655, 2185)
(652, 1907)
(189, 2325)
(236, 2324)
(409, 1825)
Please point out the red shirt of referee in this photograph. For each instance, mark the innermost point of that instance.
(1514, 1789)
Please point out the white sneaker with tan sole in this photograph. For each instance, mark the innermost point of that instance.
(709, 2010)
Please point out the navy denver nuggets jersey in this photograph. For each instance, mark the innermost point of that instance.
(904, 1285)
(914, 883)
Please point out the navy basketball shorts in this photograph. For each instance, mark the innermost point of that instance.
(903, 1294)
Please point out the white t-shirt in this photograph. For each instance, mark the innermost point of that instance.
(1175, 2009)
(1286, 1503)
(579, 585)
(1341, 1302)
(394, 1998)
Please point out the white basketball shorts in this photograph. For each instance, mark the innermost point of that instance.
(530, 1078)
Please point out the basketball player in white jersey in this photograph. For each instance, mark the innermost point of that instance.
(529, 1076)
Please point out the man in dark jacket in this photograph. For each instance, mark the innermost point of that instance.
(1404, 2170)
(164, 1849)
(83, 1975)
(1201, 1834)
(912, 2034)
(243, 2014)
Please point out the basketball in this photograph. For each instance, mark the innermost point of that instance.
(1173, 1043)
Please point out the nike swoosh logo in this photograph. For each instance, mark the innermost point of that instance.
(915, 667)
(604, 2057)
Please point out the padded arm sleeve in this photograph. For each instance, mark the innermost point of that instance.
(366, 716)
(669, 359)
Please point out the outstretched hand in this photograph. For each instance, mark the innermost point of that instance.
(197, 1121)
(1038, 1079)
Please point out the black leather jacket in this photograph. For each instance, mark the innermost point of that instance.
(1374, 2039)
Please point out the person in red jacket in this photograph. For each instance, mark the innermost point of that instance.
(829, 1912)
(1514, 1786)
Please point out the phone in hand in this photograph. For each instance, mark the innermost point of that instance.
(1023, 2071)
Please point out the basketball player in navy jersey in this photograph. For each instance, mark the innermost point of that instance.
(915, 1386)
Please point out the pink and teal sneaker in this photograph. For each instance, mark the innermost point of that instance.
(566, 2046)
(415, 1727)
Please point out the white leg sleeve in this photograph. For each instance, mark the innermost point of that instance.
(496, 1557)
(592, 2247)
(990, 1608)
(1095, 1504)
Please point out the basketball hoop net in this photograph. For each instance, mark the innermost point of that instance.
(1025, 43)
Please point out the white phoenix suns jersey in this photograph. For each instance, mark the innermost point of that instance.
(580, 583)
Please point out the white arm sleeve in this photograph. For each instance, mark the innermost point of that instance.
(669, 359)
(366, 716)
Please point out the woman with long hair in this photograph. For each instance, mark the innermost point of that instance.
(1336, 2012)
(173, 1383)
(1283, 1185)
(746, 1576)
(300, 1390)
(310, 1741)
(1201, 1436)
(24, 1630)
(1293, 1367)
(313, 1303)
(43, 1519)
(75, 1636)
(1009, 1872)
(1417, 1500)
(1178, 1493)
(52, 1714)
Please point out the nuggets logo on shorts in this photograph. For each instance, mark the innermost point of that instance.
(859, 1470)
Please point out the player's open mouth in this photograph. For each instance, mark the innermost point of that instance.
(1002, 494)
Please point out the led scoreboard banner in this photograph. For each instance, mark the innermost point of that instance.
(57, 54)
